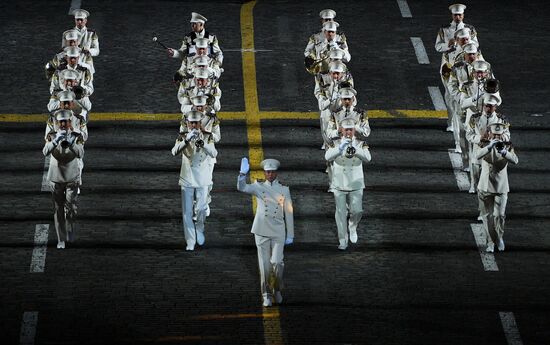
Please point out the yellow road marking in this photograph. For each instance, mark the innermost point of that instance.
(253, 119)
(252, 109)
(271, 325)
(422, 114)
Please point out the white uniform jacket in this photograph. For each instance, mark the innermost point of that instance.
(326, 88)
(88, 40)
(318, 47)
(274, 211)
(211, 90)
(477, 128)
(347, 173)
(446, 32)
(85, 79)
(362, 128)
(188, 46)
(196, 162)
(494, 170)
(64, 166)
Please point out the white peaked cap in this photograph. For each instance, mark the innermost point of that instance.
(69, 74)
(71, 34)
(80, 13)
(194, 116)
(201, 73)
(470, 48)
(347, 92)
(199, 100)
(461, 33)
(490, 98)
(270, 164)
(497, 127)
(63, 114)
(72, 51)
(327, 14)
(481, 66)
(330, 26)
(201, 42)
(457, 8)
(347, 123)
(336, 54)
(65, 96)
(336, 66)
(201, 60)
(197, 18)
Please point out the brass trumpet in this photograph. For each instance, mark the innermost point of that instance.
(350, 150)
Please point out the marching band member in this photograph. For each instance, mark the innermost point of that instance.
(65, 145)
(197, 150)
(493, 184)
(347, 155)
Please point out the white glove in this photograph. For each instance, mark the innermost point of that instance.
(345, 142)
(289, 240)
(492, 143)
(189, 136)
(71, 138)
(503, 152)
(59, 137)
(245, 167)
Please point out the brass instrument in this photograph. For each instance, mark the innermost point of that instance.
(350, 150)
(316, 66)
(492, 85)
(446, 70)
(499, 145)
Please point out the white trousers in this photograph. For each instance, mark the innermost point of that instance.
(189, 197)
(493, 214)
(65, 197)
(270, 260)
(324, 120)
(349, 210)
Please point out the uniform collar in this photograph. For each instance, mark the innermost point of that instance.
(81, 30)
(276, 181)
(350, 109)
(457, 26)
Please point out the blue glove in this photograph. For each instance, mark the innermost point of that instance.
(503, 152)
(60, 135)
(289, 240)
(492, 143)
(343, 144)
(245, 167)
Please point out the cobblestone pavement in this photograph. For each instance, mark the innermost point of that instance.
(415, 276)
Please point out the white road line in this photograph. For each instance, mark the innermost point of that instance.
(437, 98)
(462, 180)
(28, 328)
(510, 327)
(75, 5)
(404, 8)
(38, 261)
(420, 51)
(45, 183)
(488, 259)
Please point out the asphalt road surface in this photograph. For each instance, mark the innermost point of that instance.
(416, 276)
